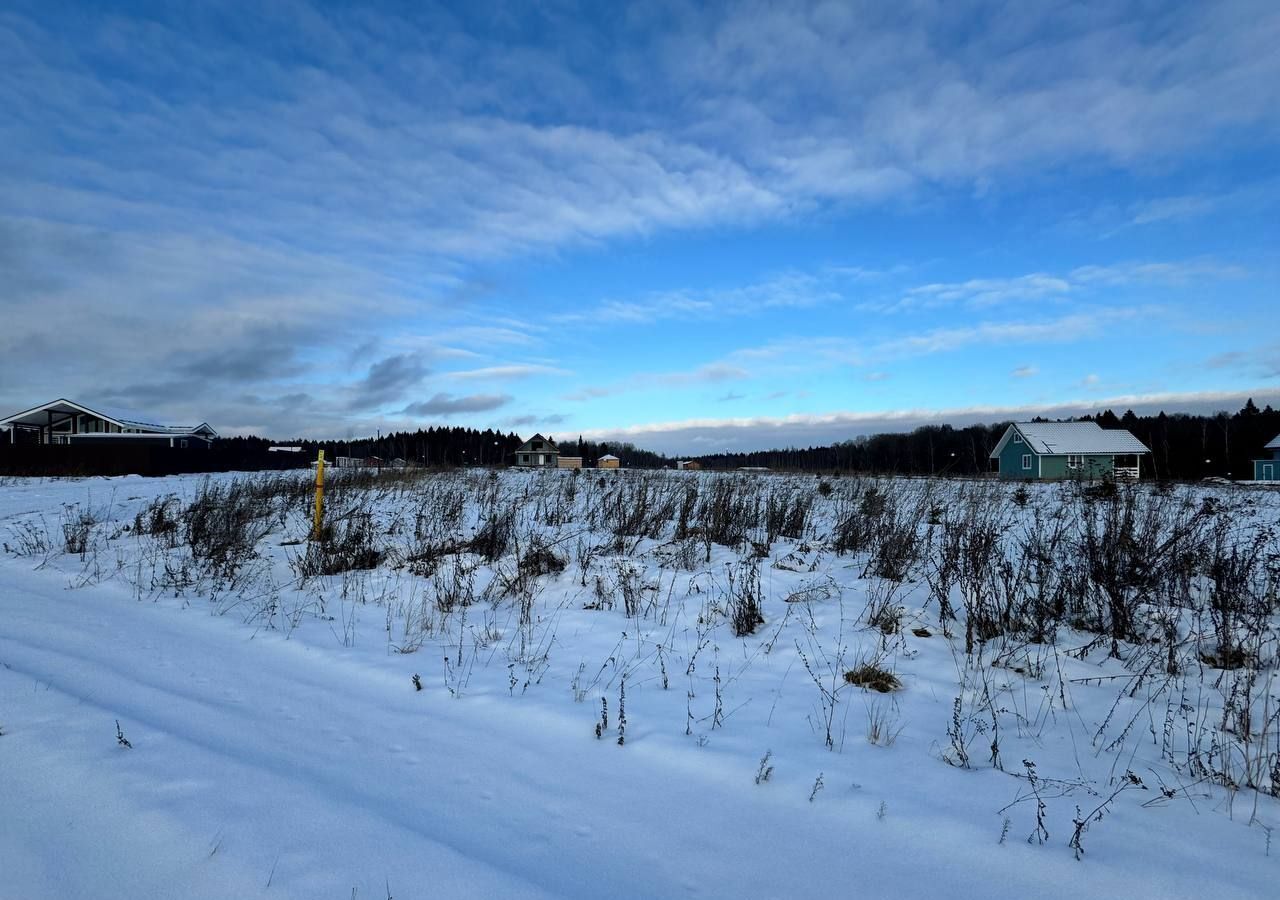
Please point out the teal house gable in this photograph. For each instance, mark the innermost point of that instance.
(1037, 451)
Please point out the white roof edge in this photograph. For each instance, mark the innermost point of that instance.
(1004, 439)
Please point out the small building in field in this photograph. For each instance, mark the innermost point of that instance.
(1054, 450)
(538, 453)
(690, 465)
(1268, 469)
(64, 422)
(608, 461)
(569, 462)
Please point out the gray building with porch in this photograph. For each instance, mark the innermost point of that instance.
(65, 422)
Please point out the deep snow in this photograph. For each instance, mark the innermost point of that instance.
(286, 753)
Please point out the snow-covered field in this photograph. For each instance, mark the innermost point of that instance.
(636, 685)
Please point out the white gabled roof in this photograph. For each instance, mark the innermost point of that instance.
(608, 456)
(1059, 438)
(1274, 445)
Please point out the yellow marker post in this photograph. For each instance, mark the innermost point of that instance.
(317, 524)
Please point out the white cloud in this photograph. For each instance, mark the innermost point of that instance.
(507, 372)
(982, 292)
(791, 290)
(442, 404)
(760, 113)
(711, 373)
(1170, 273)
(1064, 329)
(1173, 209)
(979, 293)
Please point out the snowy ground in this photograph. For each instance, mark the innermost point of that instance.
(279, 747)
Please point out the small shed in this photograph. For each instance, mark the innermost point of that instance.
(608, 461)
(690, 465)
(570, 462)
(1268, 469)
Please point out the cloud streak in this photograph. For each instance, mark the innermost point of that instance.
(443, 404)
(508, 372)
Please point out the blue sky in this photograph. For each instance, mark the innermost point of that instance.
(698, 227)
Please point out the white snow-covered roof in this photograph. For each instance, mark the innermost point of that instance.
(608, 456)
(1274, 445)
(1059, 438)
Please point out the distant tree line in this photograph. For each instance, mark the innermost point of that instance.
(1182, 446)
(426, 447)
(430, 447)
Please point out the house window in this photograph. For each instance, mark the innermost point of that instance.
(1026, 461)
(1075, 461)
(1017, 439)
(183, 443)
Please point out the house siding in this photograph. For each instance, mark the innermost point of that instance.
(1050, 467)
(1011, 461)
(1053, 467)
(1093, 466)
(1267, 469)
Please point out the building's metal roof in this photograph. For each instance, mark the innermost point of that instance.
(1274, 445)
(1060, 438)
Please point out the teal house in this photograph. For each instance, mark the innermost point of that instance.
(1055, 450)
(1268, 469)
